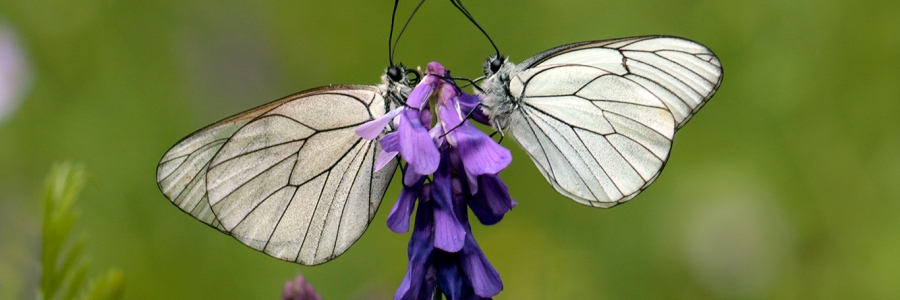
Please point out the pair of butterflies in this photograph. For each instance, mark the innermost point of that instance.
(292, 179)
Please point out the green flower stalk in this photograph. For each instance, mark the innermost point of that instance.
(63, 270)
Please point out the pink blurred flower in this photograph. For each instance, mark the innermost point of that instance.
(299, 289)
(15, 75)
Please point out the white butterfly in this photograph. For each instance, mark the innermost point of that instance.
(598, 118)
(289, 178)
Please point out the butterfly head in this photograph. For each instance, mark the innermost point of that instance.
(496, 63)
(396, 83)
(394, 73)
(398, 74)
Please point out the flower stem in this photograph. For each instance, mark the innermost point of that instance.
(438, 295)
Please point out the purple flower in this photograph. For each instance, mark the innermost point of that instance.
(299, 289)
(464, 274)
(480, 154)
(451, 166)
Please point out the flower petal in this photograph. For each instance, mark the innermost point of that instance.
(449, 233)
(473, 183)
(410, 178)
(448, 111)
(390, 147)
(425, 116)
(398, 219)
(492, 200)
(390, 142)
(436, 135)
(484, 278)
(467, 103)
(416, 146)
(383, 159)
(435, 68)
(419, 95)
(416, 283)
(479, 153)
(453, 282)
(370, 130)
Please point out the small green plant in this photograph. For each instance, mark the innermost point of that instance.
(63, 270)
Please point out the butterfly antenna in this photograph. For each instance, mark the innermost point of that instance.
(394, 47)
(391, 35)
(473, 82)
(452, 80)
(468, 115)
(458, 4)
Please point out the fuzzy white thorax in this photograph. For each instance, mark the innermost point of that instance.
(498, 102)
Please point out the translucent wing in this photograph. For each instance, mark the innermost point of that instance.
(181, 174)
(683, 74)
(598, 118)
(292, 179)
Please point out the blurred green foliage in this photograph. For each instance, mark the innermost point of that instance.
(63, 270)
(783, 187)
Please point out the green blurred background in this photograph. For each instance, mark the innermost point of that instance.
(785, 186)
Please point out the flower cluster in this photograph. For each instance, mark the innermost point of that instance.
(451, 166)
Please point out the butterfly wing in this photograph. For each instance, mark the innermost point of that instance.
(293, 179)
(181, 174)
(598, 118)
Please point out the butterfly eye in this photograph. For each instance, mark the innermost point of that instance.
(395, 73)
(495, 64)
